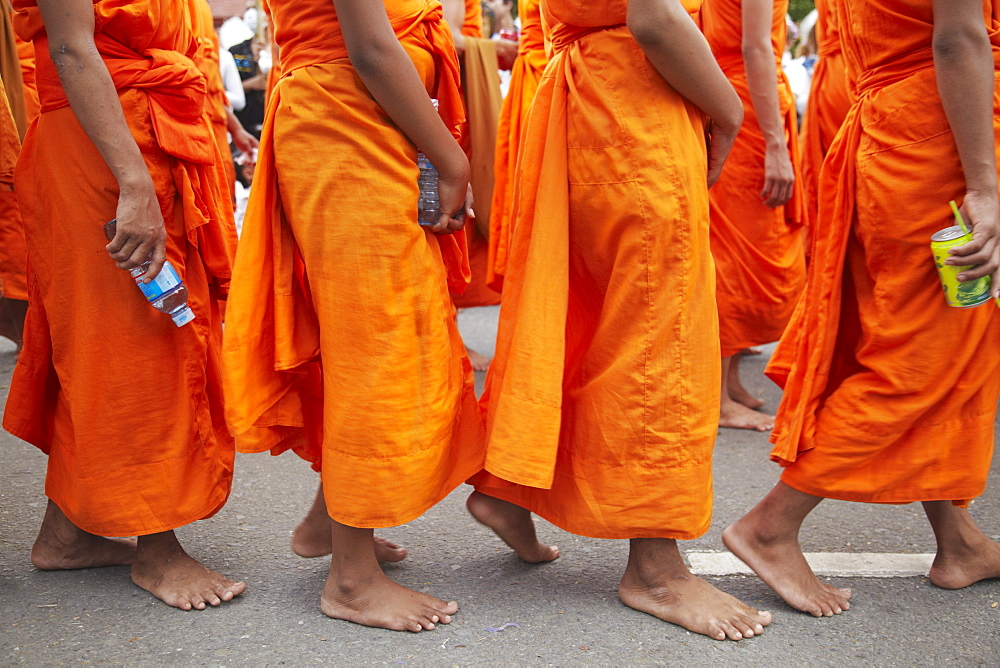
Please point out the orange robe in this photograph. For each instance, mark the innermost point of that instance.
(890, 394)
(830, 98)
(13, 254)
(481, 86)
(341, 343)
(127, 406)
(10, 144)
(758, 251)
(26, 55)
(603, 397)
(207, 61)
(524, 76)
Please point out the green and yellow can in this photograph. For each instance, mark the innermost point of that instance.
(961, 294)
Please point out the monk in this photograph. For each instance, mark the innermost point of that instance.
(393, 426)
(891, 394)
(126, 404)
(13, 255)
(524, 76)
(603, 397)
(756, 219)
(479, 58)
(830, 98)
(224, 121)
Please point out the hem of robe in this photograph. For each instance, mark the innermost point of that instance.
(513, 493)
(970, 430)
(123, 531)
(960, 499)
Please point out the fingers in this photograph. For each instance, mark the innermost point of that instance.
(156, 260)
(448, 225)
(984, 261)
(777, 192)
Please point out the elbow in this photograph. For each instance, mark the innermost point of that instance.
(369, 56)
(754, 52)
(65, 51)
(952, 43)
(650, 32)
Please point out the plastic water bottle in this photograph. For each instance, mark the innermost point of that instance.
(166, 293)
(429, 204)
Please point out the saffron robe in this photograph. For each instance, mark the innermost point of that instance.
(127, 406)
(481, 88)
(13, 254)
(341, 340)
(830, 99)
(524, 76)
(217, 105)
(603, 398)
(758, 251)
(890, 394)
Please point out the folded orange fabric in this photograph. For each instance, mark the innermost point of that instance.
(13, 254)
(603, 397)
(481, 88)
(524, 77)
(341, 340)
(830, 99)
(26, 55)
(207, 61)
(890, 394)
(758, 251)
(127, 405)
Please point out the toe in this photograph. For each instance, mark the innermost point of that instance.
(730, 631)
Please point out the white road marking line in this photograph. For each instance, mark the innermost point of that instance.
(835, 564)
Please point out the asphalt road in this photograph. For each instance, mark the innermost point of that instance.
(566, 612)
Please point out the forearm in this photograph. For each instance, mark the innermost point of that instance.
(762, 70)
(679, 52)
(393, 81)
(454, 16)
(233, 123)
(964, 69)
(92, 97)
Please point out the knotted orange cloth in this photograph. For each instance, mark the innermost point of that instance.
(890, 394)
(603, 397)
(13, 254)
(26, 55)
(759, 253)
(524, 76)
(830, 98)
(207, 61)
(10, 144)
(127, 405)
(481, 88)
(341, 341)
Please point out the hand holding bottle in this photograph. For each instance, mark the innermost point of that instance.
(140, 234)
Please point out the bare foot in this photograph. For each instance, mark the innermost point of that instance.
(378, 601)
(750, 352)
(479, 361)
(740, 395)
(165, 570)
(734, 386)
(657, 582)
(61, 545)
(733, 415)
(783, 567)
(313, 536)
(513, 525)
(964, 555)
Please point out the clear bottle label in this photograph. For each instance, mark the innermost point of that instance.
(164, 282)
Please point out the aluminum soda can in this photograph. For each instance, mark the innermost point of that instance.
(961, 294)
(508, 34)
